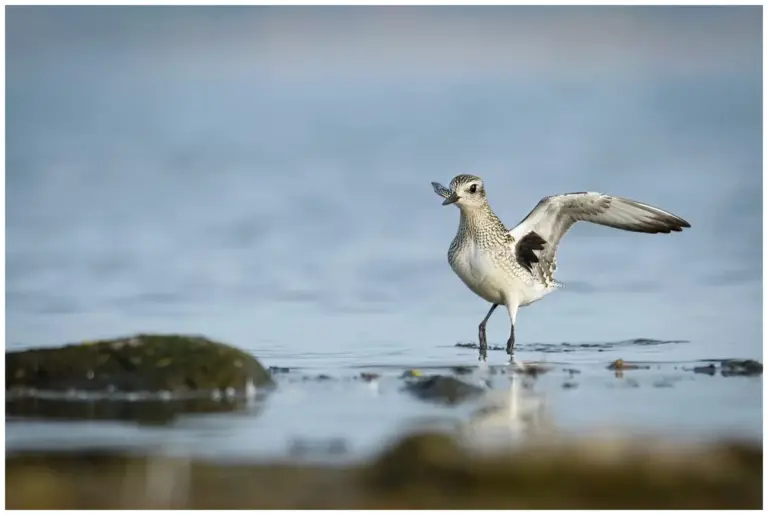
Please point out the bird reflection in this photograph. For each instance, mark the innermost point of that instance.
(509, 416)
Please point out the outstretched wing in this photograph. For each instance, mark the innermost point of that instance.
(548, 222)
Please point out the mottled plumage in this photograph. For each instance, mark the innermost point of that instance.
(516, 267)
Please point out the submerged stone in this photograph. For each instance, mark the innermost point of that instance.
(738, 367)
(731, 367)
(175, 364)
(535, 369)
(445, 389)
(709, 370)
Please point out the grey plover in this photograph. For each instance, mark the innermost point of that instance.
(515, 268)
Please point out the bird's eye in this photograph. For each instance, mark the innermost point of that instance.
(473, 188)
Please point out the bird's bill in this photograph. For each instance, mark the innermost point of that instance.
(453, 197)
(449, 196)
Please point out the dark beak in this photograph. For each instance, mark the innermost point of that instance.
(453, 197)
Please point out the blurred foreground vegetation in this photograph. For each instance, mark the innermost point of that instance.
(419, 471)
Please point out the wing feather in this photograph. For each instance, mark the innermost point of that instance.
(554, 216)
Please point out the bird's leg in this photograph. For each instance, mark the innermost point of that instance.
(483, 343)
(512, 309)
(511, 350)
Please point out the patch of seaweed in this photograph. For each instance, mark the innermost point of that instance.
(573, 347)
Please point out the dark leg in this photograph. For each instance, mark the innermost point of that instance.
(512, 308)
(481, 333)
(511, 341)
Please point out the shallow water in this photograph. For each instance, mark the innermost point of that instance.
(297, 220)
(326, 413)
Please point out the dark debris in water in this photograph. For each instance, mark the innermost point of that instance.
(649, 341)
(598, 346)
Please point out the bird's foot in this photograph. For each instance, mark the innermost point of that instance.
(482, 351)
(517, 365)
(482, 345)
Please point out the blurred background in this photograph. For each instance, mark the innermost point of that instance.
(261, 175)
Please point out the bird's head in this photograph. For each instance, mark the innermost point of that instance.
(466, 191)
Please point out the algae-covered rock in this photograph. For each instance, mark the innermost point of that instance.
(176, 364)
(444, 389)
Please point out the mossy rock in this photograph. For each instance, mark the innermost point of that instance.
(143, 363)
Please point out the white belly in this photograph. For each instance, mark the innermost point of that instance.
(493, 284)
(476, 270)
